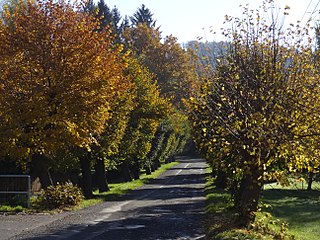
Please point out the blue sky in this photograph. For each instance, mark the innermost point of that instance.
(189, 19)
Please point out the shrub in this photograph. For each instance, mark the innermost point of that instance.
(61, 196)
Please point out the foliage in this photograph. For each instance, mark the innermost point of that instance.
(108, 18)
(60, 196)
(143, 15)
(59, 78)
(249, 121)
(170, 64)
(71, 97)
(221, 219)
(174, 133)
(9, 208)
(149, 109)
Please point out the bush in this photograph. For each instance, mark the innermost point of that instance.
(61, 196)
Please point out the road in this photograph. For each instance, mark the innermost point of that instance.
(169, 207)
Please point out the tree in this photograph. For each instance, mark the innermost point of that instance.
(149, 109)
(143, 15)
(109, 141)
(171, 65)
(89, 7)
(108, 18)
(59, 78)
(248, 119)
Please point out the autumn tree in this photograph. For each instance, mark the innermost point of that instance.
(108, 18)
(149, 109)
(172, 66)
(176, 133)
(255, 116)
(109, 141)
(58, 80)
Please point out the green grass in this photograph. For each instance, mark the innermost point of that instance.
(118, 189)
(220, 219)
(299, 208)
(13, 209)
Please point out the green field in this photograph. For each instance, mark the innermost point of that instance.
(285, 211)
(298, 207)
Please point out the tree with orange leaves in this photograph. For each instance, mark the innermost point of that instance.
(58, 79)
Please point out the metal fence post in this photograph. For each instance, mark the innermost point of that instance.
(29, 190)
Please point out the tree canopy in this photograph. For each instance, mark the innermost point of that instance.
(58, 79)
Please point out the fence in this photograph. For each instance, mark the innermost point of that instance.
(12, 185)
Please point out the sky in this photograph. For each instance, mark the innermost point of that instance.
(189, 19)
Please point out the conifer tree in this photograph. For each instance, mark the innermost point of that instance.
(143, 15)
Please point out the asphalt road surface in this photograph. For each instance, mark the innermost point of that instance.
(169, 207)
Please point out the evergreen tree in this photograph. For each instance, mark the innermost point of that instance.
(117, 25)
(89, 7)
(125, 24)
(143, 15)
(317, 49)
(110, 18)
(105, 14)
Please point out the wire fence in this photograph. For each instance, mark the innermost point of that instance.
(15, 190)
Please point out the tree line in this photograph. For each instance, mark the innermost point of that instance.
(84, 90)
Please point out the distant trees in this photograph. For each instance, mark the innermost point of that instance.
(252, 115)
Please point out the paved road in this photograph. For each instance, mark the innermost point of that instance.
(170, 207)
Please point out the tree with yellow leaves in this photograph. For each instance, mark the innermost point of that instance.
(149, 109)
(256, 114)
(171, 65)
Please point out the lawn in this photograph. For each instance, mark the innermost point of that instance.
(285, 212)
(298, 207)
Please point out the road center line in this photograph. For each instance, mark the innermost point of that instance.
(182, 169)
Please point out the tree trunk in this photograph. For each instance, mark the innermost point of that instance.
(152, 169)
(40, 167)
(101, 176)
(310, 180)
(148, 167)
(86, 176)
(135, 170)
(221, 181)
(248, 196)
(125, 172)
(156, 164)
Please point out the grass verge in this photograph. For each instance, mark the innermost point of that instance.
(221, 219)
(116, 190)
(12, 209)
